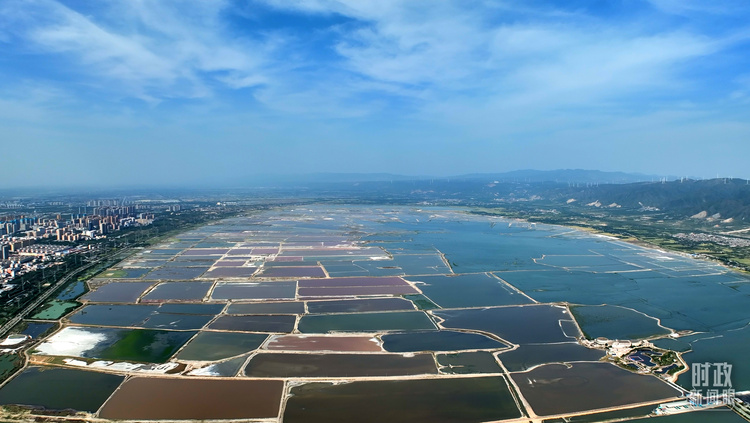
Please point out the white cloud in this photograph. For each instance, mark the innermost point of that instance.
(149, 49)
(457, 63)
(448, 48)
(425, 52)
(699, 7)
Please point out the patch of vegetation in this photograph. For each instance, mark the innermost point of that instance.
(665, 359)
(422, 302)
(9, 364)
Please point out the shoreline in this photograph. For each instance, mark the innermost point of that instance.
(629, 239)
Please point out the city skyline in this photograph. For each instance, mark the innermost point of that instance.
(181, 93)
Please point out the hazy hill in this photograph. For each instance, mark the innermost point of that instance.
(728, 197)
(562, 176)
(565, 176)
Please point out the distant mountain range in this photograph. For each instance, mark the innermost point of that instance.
(727, 198)
(565, 176)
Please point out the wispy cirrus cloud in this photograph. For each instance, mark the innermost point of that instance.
(698, 7)
(151, 50)
(392, 49)
(473, 77)
(495, 53)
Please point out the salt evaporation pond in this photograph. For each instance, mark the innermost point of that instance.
(476, 276)
(210, 346)
(51, 388)
(455, 400)
(194, 399)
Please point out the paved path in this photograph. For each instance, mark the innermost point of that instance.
(45, 296)
(40, 299)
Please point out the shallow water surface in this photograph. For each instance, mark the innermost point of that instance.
(454, 400)
(51, 388)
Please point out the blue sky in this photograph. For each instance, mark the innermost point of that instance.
(214, 92)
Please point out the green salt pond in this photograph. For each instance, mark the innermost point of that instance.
(140, 345)
(63, 302)
(143, 345)
(55, 309)
(422, 302)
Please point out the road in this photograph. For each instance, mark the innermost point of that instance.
(45, 296)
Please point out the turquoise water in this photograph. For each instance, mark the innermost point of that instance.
(55, 309)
